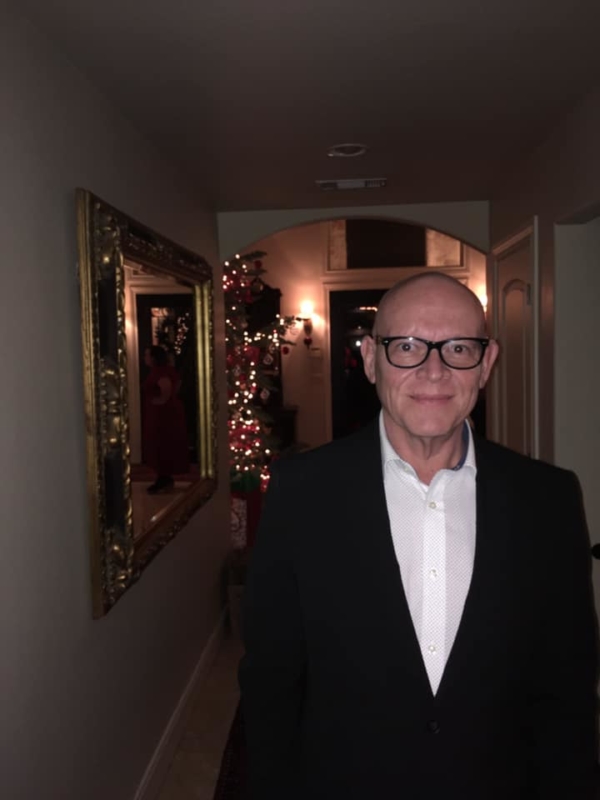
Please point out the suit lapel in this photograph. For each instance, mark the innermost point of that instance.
(493, 521)
(379, 566)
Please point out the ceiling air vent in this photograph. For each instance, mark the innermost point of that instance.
(348, 150)
(352, 183)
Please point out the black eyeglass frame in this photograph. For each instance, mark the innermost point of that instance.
(387, 340)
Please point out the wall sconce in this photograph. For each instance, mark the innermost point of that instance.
(306, 312)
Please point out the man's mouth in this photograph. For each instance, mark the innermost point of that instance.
(431, 398)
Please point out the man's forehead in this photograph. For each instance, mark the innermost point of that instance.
(430, 302)
(411, 301)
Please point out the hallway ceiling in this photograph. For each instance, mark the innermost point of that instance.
(248, 95)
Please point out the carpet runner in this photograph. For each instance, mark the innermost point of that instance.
(231, 783)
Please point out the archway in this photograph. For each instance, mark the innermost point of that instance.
(301, 263)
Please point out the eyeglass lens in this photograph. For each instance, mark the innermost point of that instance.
(458, 353)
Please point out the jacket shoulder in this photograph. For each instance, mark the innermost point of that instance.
(509, 461)
(364, 444)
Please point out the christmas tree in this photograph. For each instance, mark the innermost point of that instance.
(252, 358)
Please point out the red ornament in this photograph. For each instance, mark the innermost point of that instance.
(285, 350)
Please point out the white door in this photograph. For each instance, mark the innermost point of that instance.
(512, 278)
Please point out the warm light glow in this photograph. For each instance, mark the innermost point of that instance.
(480, 291)
(306, 309)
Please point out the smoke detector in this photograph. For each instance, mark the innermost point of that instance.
(347, 150)
(351, 183)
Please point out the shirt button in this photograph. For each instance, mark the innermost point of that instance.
(433, 726)
(432, 505)
(432, 649)
(433, 573)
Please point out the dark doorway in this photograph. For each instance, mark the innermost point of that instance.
(354, 401)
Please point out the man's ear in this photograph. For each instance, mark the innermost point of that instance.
(367, 350)
(489, 359)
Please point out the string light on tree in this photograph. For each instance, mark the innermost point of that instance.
(250, 357)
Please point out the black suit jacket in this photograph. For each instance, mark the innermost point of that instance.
(335, 695)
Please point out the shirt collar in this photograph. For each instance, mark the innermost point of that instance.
(468, 459)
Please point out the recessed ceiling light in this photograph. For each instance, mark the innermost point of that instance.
(348, 150)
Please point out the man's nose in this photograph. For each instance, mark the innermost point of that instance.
(433, 367)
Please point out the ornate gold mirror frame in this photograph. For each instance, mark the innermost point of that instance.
(121, 260)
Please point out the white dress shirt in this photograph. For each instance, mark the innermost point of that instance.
(433, 531)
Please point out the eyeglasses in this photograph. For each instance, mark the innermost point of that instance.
(406, 352)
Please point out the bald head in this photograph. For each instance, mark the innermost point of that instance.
(428, 402)
(421, 288)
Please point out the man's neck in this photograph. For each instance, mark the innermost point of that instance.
(428, 455)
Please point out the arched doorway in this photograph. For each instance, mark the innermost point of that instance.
(306, 264)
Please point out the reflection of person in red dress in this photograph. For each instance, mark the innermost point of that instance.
(165, 444)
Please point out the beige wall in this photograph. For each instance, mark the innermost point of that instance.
(577, 338)
(557, 180)
(83, 702)
(296, 263)
(467, 221)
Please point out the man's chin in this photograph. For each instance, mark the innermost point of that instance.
(433, 429)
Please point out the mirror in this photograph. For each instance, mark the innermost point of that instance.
(147, 328)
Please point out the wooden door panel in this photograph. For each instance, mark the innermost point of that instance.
(513, 386)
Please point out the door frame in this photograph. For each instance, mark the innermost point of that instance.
(137, 283)
(528, 235)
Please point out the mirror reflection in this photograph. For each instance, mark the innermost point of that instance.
(148, 366)
(162, 370)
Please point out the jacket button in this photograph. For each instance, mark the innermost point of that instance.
(433, 726)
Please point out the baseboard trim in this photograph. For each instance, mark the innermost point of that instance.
(156, 771)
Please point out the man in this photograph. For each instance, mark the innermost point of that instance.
(418, 614)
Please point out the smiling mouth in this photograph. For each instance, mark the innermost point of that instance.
(431, 398)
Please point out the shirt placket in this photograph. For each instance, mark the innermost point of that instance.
(433, 628)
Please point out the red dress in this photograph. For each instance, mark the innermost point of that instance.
(164, 437)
